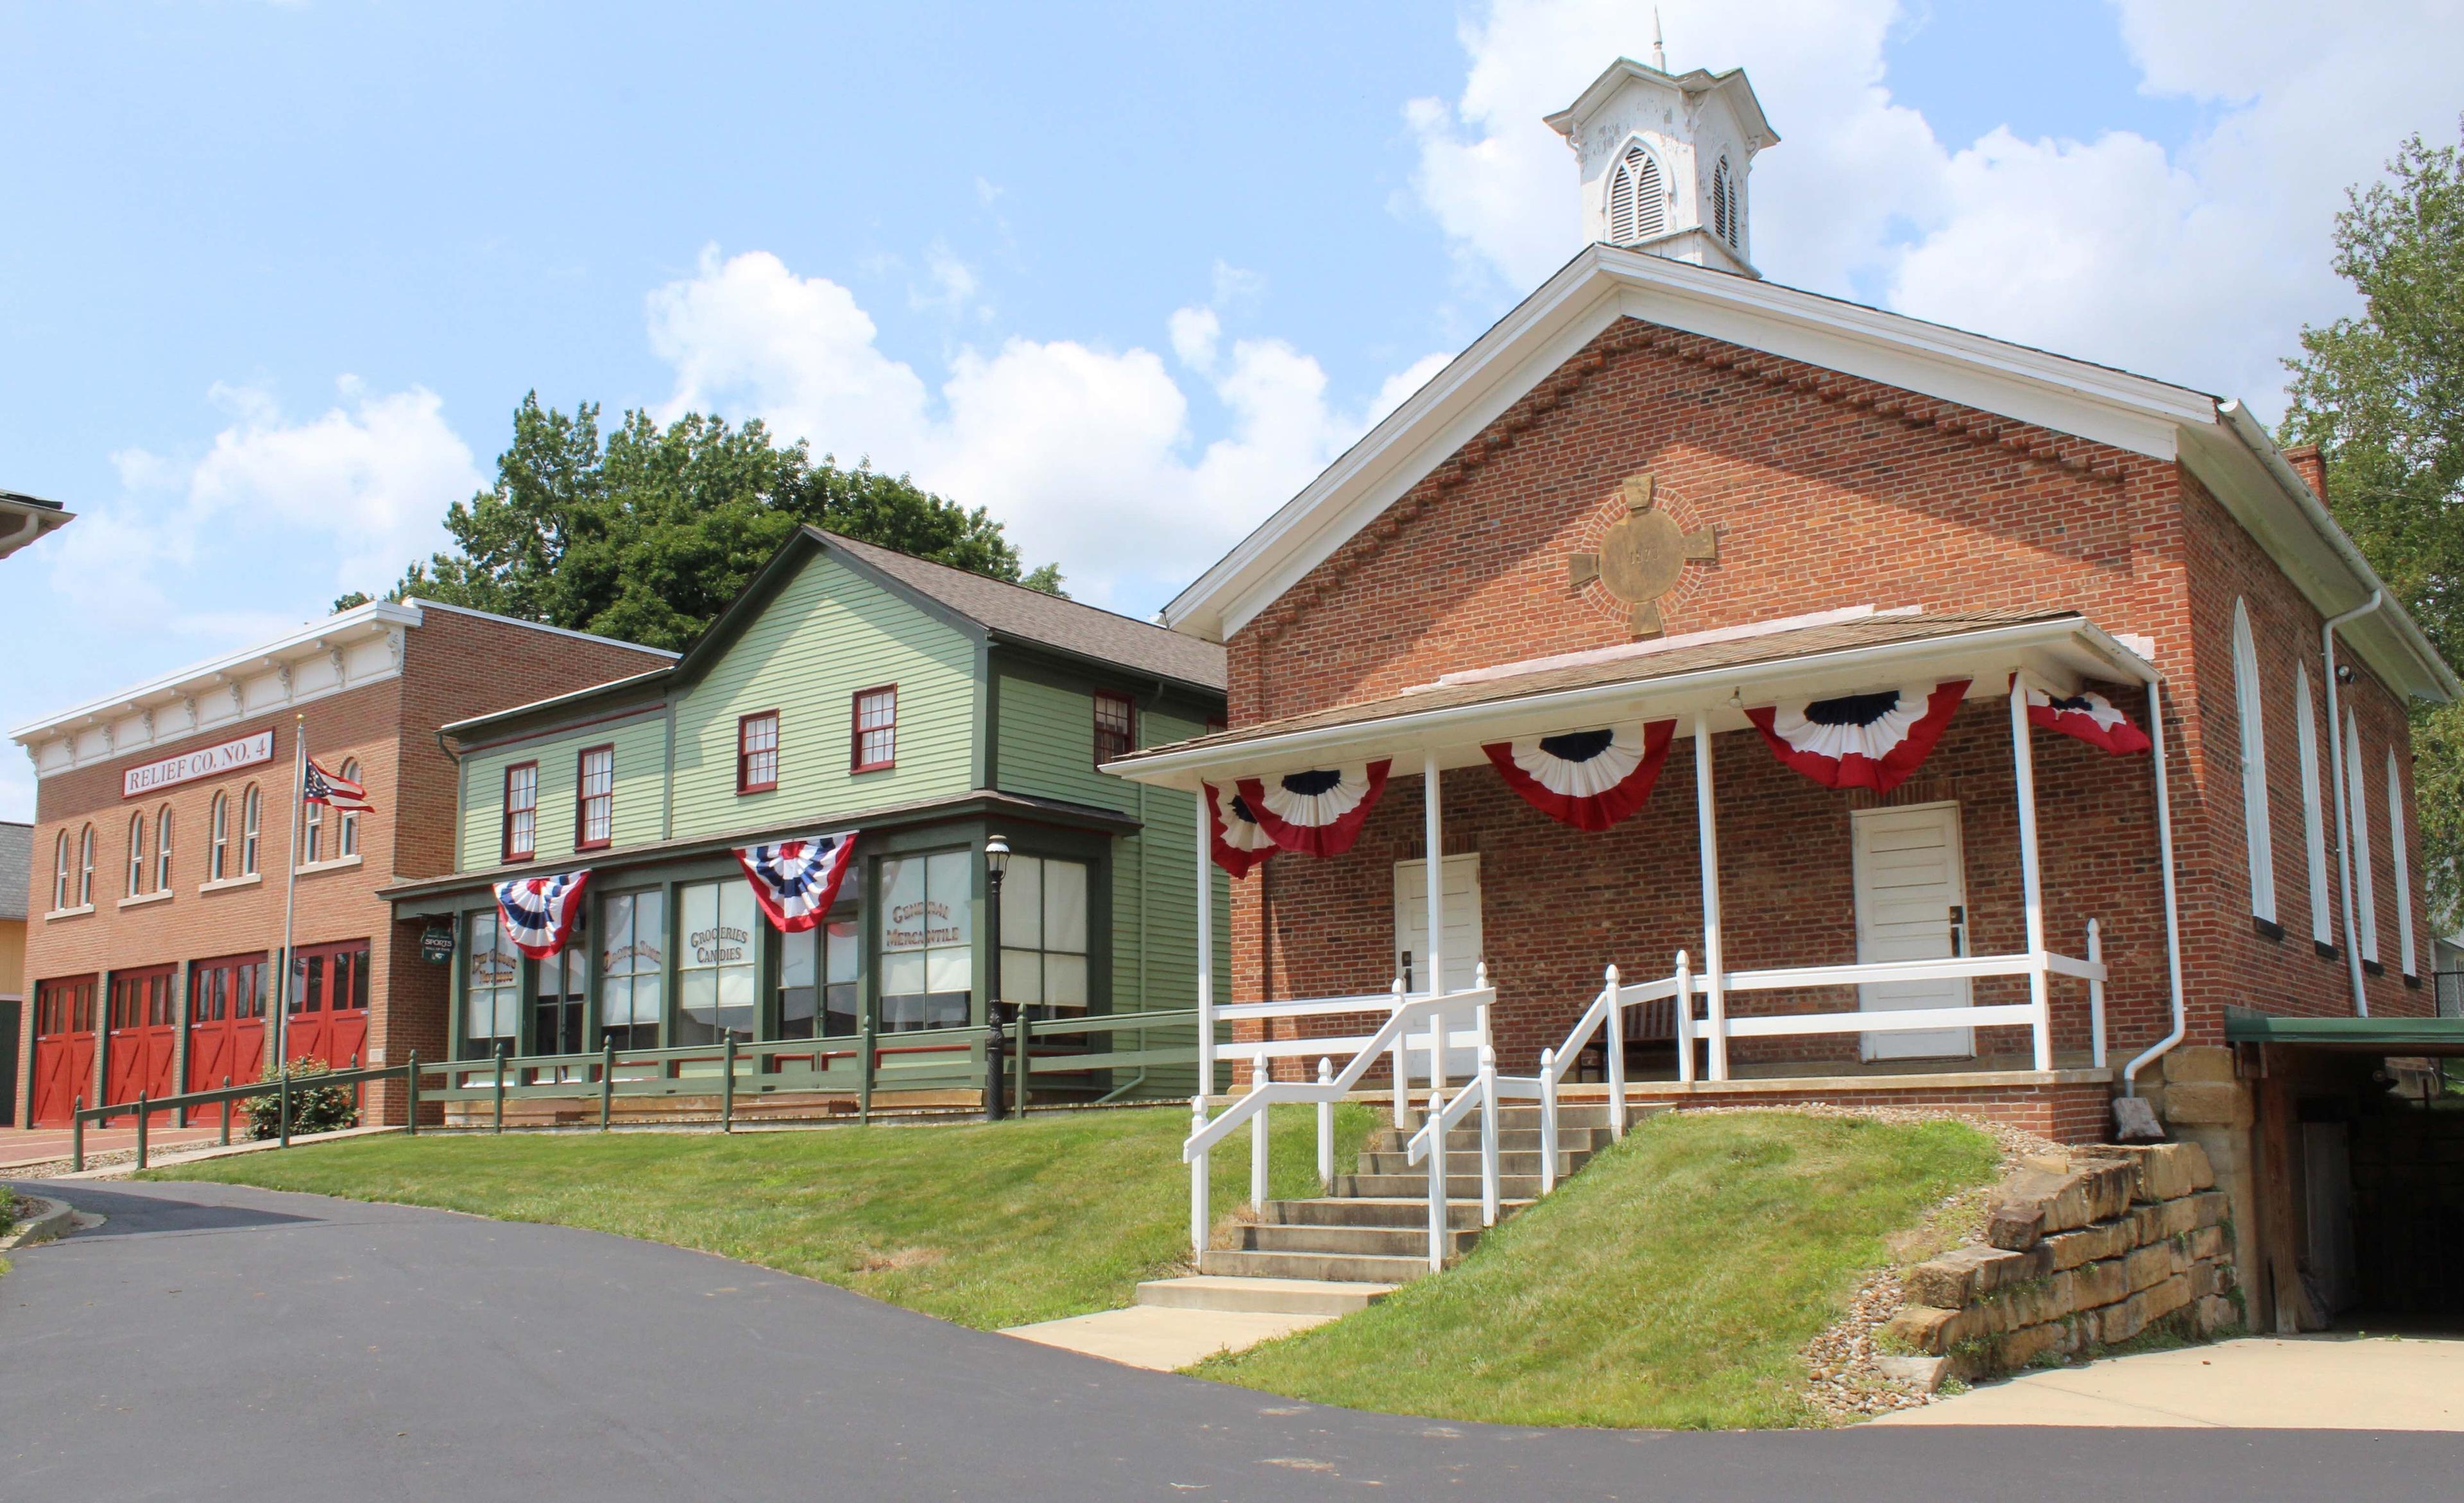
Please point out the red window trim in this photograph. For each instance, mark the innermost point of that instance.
(581, 797)
(1129, 705)
(745, 759)
(505, 831)
(855, 729)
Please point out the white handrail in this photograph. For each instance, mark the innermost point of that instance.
(1430, 1143)
(1304, 1006)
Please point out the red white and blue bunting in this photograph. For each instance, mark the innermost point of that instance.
(1860, 740)
(540, 911)
(795, 881)
(1318, 812)
(1587, 778)
(1240, 843)
(2088, 717)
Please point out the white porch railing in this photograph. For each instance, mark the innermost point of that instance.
(1422, 1023)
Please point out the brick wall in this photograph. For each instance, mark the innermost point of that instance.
(454, 664)
(1826, 491)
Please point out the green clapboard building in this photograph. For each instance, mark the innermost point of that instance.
(850, 688)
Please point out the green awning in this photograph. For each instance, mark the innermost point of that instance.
(2360, 1035)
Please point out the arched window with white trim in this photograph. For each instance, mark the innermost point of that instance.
(163, 850)
(311, 832)
(251, 807)
(1638, 201)
(2398, 857)
(136, 854)
(2357, 809)
(60, 871)
(2256, 832)
(218, 839)
(346, 838)
(2314, 808)
(85, 868)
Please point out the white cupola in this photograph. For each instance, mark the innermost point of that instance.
(1664, 159)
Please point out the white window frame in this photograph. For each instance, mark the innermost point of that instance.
(1638, 173)
(2399, 856)
(2357, 808)
(346, 838)
(2259, 835)
(218, 838)
(136, 854)
(163, 850)
(251, 819)
(2314, 810)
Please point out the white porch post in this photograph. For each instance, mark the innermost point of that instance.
(1205, 948)
(1432, 836)
(1714, 956)
(2023, 763)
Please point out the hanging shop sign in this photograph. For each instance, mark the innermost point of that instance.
(188, 766)
(795, 881)
(540, 911)
(1860, 740)
(2087, 716)
(1239, 842)
(1587, 778)
(1318, 812)
(436, 945)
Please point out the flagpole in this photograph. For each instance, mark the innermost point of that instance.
(291, 891)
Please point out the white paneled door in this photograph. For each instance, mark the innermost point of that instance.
(1911, 905)
(1462, 898)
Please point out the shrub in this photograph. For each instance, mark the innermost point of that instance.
(314, 1108)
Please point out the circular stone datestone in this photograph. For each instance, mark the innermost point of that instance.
(1642, 556)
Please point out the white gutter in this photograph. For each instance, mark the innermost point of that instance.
(2172, 920)
(2343, 804)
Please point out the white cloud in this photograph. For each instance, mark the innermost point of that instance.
(1086, 453)
(2199, 264)
(369, 479)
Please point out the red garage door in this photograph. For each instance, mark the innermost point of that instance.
(329, 1003)
(144, 1024)
(226, 1022)
(63, 1048)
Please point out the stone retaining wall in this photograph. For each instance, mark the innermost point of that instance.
(2082, 1250)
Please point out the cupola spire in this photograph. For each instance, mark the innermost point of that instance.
(1664, 159)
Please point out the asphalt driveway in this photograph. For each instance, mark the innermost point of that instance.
(214, 1341)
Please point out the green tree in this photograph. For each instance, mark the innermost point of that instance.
(648, 534)
(2382, 395)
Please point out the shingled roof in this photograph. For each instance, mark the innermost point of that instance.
(1031, 615)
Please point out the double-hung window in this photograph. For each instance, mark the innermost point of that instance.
(252, 812)
(756, 752)
(632, 962)
(875, 741)
(927, 940)
(1116, 727)
(1043, 933)
(136, 854)
(218, 838)
(492, 987)
(594, 807)
(521, 811)
(163, 850)
(714, 995)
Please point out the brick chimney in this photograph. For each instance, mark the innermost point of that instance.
(2312, 466)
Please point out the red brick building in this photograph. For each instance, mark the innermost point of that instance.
(165, 815)
(1664, 498)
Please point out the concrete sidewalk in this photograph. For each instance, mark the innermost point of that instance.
(2344, 1383)
(23, 1148)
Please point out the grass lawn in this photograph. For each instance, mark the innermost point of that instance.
(986, 1225)
(1670, 1284)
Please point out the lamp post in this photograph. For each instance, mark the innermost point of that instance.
(995, 866)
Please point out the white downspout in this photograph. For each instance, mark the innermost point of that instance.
(2172, 921)
(2343, 804)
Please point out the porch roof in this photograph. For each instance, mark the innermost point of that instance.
(1719, 672)
(2357, 1035)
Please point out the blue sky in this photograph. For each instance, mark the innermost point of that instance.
(1128, 273)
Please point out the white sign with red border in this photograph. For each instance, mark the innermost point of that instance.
(245, 752)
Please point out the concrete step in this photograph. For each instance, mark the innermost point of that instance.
(1397, 1242)
(1514, 1140)
(1569, 1118)
(1460, 1187)
(1345, 1267)
(1526, 1163)
(1292, 1297)
(1359, 1211)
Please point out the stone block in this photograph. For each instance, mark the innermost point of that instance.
(2210, 1207)
(2035, 1203)
(2145, 1268)
(1923, 1374)
(2198, 1064)
(2214, 1313)
(2015, 1349)
(2165, 1171)
(2096, 1284)
(2118, 1323)
(2177, 1217)
(1921, 1329)
(2134, 1120)
(2208, 1243)
(2208, 1103)
(1965, 1275)
(2163, 1298)
(2106, 1239)
(2110, 1184)
(2202, 1279)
